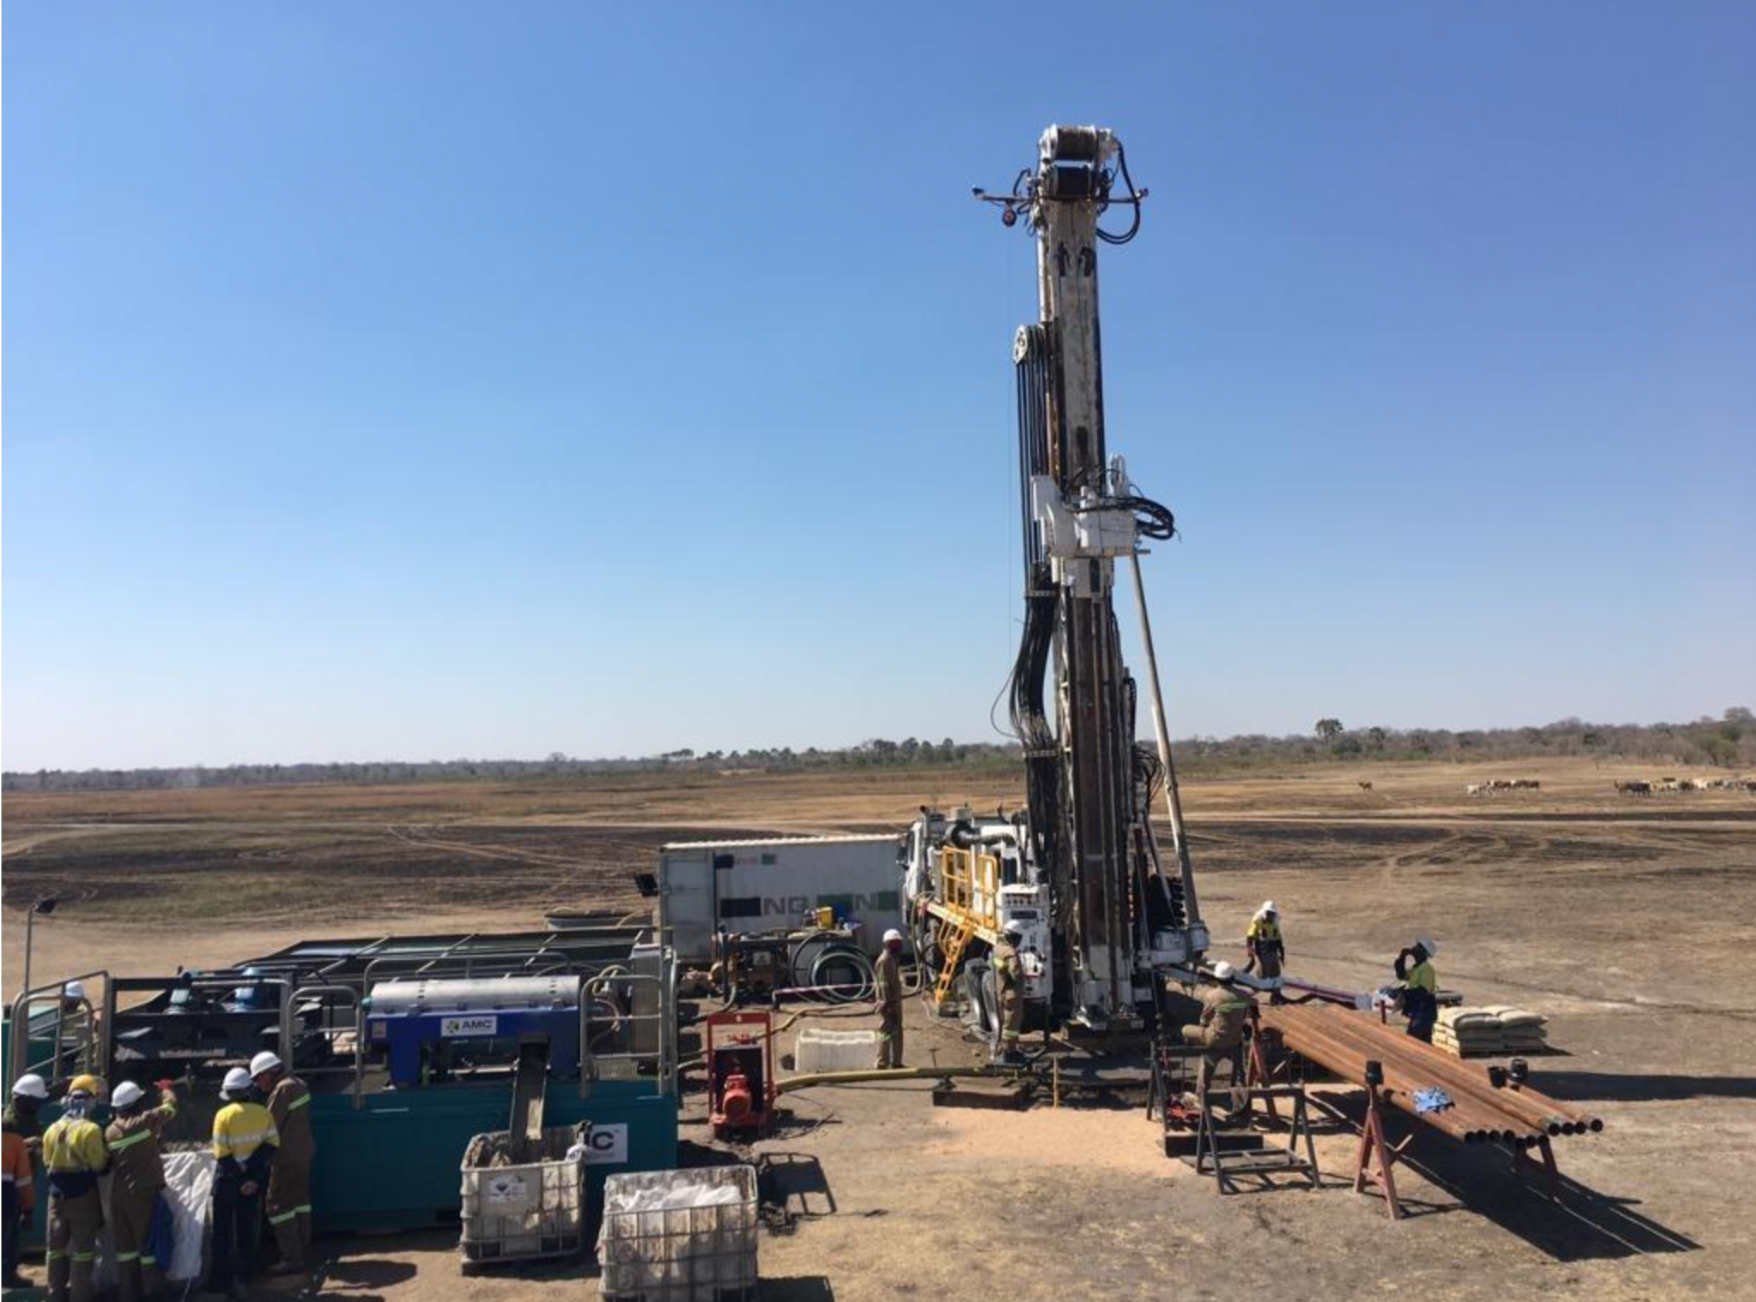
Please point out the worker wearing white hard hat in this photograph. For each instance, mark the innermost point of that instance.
(1008, 968)
(887, 995)
(1219, 1031)
(289, 1179)
(1419, 987)
(1265, 942)
(137, 1171)
(244, 1143)
(23, 1137)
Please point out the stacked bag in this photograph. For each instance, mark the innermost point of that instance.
(1521, 1031)
(1490, 1032)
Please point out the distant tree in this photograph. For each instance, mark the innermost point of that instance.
(1328, 729)
(1378, 736)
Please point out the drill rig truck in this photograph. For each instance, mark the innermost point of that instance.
(1103, 917)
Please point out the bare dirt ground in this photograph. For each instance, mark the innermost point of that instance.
(1627, 921)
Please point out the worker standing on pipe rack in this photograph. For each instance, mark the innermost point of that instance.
(138, 1177)
(1220, 1031)
(887, 981)
(1267, 946)
(244, 1142)
(289, 1180)
(1420, 988)
(19, 1174)
(75, 1155)
(1009, 986)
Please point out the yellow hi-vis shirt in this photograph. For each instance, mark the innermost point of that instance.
(74, 1144)
(1262, 929)
(239, 1129)
(1421, 977)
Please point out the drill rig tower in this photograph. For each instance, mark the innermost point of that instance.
(1078, 868)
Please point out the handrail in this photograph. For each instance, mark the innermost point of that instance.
(20, 1063)
(359, 1088)
(664, 1051)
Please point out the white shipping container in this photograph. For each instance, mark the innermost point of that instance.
(768, 885)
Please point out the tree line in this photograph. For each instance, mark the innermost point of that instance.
(1726, 742)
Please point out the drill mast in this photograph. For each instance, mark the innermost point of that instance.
(1080, 867)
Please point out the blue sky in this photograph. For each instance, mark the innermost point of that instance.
(426, 380)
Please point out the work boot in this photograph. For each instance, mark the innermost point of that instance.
(292, 1248)
(60, 1270)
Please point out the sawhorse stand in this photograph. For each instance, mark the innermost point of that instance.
(1373, 1143)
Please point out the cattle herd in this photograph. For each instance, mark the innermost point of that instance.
(1493, 785)
(1626, 787)
(1661, 786)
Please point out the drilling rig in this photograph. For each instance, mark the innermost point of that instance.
(1100, 914)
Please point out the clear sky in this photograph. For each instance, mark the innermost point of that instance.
(425, 380)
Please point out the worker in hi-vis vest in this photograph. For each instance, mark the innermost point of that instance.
(1264, 941)
(289, 1179)
(75, 1155)
(1420, 988)
(1009, 987)
(887, 980)
(137, 1177)
(1220, 1030)
(244, 1142)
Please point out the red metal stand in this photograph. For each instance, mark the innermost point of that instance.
(1551, 1173)
(1372, 1140)
(1256, 1073)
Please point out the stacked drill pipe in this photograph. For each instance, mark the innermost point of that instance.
(1345, 1041)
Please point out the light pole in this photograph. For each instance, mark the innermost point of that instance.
(45, 906)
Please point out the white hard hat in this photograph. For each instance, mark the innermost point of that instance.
(236, 1082)
(1014, 927)
(30, 1086)
(264, 1061)
(1224, 971)
(1429, 945)
(126, 1095)
(1268, 906)
(73, 990)
(890, 935)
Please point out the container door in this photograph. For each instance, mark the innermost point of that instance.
(686, 896)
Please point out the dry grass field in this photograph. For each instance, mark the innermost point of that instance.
(1628, 922)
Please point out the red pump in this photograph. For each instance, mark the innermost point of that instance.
(739, 1049)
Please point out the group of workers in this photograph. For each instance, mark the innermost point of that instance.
(262, 1148)
(1225, 1005)
(1008, 970)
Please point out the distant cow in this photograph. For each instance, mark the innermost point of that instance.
(1475, 788)
(1365, 786)
(1526, 784)
(1634, 788)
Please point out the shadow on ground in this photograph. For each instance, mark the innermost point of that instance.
(1581, 1086)
(1576, 1223)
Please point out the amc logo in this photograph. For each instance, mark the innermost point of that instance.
(608, 1145)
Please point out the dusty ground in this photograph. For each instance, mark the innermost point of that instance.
(1626, 921)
